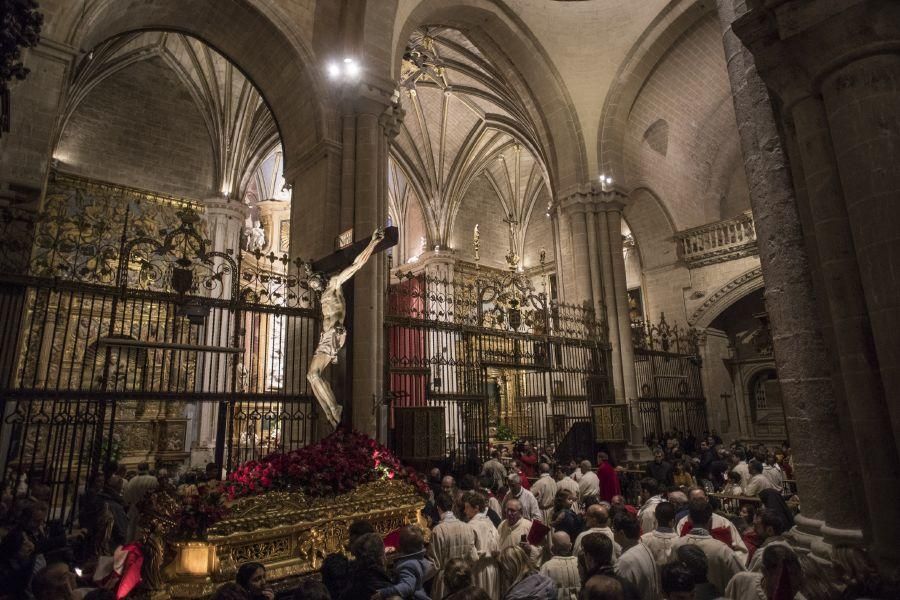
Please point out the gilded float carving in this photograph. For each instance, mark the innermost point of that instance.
(287, 531)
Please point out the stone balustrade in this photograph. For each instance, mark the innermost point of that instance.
(718, 242)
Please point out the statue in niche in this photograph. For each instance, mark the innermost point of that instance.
(256, 237)
(333, 334)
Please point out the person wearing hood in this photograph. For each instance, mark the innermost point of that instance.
(411, 568)
(524, 582)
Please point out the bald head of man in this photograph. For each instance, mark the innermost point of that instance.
(601, 587)
(597, 515)
(561, 544)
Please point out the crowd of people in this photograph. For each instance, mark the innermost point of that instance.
(700, 520)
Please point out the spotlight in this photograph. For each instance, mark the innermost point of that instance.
(351, 69)
(334, 71)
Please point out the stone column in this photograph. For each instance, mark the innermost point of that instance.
(375, 120)
(809, 399)
(36, 104)
(594, 263)
(225, 222)
(609, 301)
(575, 210)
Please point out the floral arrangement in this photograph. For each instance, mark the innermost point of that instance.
(337, 464)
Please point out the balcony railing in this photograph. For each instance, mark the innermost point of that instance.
(718, 242)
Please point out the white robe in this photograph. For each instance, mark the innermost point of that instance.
(588, 485)
(486, 571)
(451, 538)
(544, 490)
(512, 536)
(758, 483)
(638, 566)
(576, 547)
(723, 563)
(737, 542)
(660, 544)
(748, 586)
(744, 471)
(564, 571)
(134, 491)
(647, 514)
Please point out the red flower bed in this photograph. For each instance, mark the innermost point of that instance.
(337, 464)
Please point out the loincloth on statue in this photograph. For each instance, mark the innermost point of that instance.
(331, 341)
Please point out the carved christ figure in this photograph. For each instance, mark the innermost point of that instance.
(333, 333)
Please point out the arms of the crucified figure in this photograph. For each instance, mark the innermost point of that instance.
(361, 258)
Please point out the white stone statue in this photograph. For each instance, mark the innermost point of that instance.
(333, 333)
(256, 237)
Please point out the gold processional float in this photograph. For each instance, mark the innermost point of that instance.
(288, 532)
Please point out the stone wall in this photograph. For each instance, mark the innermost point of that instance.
(140, 127)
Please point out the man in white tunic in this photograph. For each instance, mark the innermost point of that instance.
(718, 522)
(722, 561)
(651, 497)
(564, 482)
(589, 484)
(451, 538)
(636, 564)
(660, 540)
(514, 529)
(530, 508)
(596, 517)
(758, 481)
(134, 492)
(739, 466)
(563, 567)
(544, 490)
(781, 575)
(485, 571)
(494, 469)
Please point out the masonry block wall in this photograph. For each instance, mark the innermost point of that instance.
(140, 128)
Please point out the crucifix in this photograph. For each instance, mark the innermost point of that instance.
(326, 276)
(512, 258)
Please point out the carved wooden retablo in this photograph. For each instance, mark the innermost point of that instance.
(288, 532)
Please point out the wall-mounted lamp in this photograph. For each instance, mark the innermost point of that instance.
(346, 70)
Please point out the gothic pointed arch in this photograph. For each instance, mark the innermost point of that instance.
(291, 86)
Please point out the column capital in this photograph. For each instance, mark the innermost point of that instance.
(391, 120)
(797, 44)
(228, 207)
(592, 198)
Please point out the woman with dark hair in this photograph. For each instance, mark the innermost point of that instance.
(781, 577)
(251, 577)
(367, 572)
(16, 564)
(564, 518)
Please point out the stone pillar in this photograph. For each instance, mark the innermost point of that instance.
(225, 222)
(609, 301)
(809, 399)
(594, 263)
(36, 104)
(613, 210)
(575, 210)
(375, 120)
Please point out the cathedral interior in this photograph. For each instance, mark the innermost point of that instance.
(614, 219)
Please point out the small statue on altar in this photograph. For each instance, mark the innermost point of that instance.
(333, 333)
(255, 237)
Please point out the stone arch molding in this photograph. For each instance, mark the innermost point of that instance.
(249, 33)
(499, 33)
(727, 295)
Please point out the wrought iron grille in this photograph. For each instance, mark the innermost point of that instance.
(488, 349)
(123, 334)
(667, 365)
